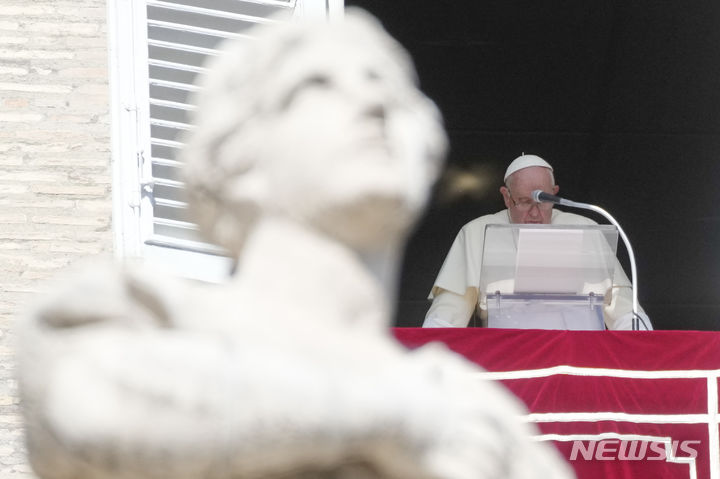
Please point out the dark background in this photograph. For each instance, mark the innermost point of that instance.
(622, 98)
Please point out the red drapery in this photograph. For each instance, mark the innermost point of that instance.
(618, 404)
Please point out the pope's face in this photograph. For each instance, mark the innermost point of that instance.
(518, 195)
(349, 125)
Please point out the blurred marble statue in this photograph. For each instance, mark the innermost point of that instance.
(313, 155)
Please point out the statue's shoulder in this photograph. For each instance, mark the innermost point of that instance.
(109, 293)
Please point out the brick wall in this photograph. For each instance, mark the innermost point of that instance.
(55, 203)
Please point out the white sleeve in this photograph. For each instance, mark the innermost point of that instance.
(451, 310)
(624, 322)
(461, 268)
(618, 314)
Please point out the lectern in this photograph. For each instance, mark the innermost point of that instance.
(547, 276)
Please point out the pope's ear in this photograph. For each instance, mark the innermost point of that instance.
(506, 196)
(556, 188)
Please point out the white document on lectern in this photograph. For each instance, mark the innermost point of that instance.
(549, 261)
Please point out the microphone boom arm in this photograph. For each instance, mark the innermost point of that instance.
(631, 254)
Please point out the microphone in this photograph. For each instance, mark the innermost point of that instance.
(540, 196)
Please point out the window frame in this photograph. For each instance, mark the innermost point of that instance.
(130, 142)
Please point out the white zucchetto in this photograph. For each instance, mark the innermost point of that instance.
(525, 161)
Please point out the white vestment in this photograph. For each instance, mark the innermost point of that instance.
(455, 291)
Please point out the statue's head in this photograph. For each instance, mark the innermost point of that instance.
(323, 124)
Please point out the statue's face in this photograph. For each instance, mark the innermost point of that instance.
(348, 136)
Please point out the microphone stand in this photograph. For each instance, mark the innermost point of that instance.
(631, 254)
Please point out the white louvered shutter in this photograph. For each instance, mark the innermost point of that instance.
(171, 42)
